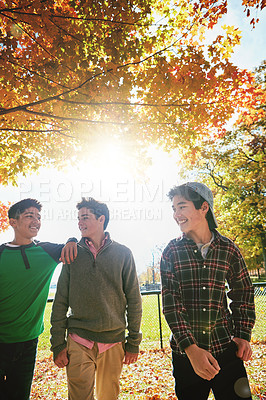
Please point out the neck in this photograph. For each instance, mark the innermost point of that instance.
(203, 236)
(21, 241)
(97, 240)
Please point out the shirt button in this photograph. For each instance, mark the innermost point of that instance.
(195, 251)
(204, 288)
(204, 309)
(204, 266)
(203, 332)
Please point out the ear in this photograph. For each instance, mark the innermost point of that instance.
(12, 222)
(102, 219)
(205, 207)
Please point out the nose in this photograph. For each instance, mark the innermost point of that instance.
(176, 214)
(36, 219)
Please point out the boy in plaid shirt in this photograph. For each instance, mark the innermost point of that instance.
(210, 338)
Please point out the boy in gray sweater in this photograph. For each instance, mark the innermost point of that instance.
(97, 299)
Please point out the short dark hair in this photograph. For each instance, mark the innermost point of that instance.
(96, 207)
(196, 198)
(18, 208)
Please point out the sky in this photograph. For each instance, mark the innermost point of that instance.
(252, 49)
(141, 214)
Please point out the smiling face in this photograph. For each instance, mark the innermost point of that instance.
(191, 221)
(89, 226)
(26, 226)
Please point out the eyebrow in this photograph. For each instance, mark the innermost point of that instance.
(179, 204)
(84, 215)
(31, 213)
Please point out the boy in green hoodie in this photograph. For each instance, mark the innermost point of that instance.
(26, 270)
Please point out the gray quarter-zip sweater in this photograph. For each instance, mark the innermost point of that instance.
(98, 299)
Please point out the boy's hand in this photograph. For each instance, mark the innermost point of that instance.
(244, 351)
(203, 363)
(69, 253)
(62, 359)
(130, 357)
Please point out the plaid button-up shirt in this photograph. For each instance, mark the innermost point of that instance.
(195, 303)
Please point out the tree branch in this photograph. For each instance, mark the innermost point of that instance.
(36, 73)
(106, 20)
(35, 41)
(56, 97)
(218, 180)
(251, 159)
(30, 36)
(101, 20)
(58, 117)
(65, 31)
(38, 131)
(121, 103)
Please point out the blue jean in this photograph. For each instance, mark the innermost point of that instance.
(230, 384)
(17, 361)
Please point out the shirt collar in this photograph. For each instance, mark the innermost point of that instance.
(90, 243)
(214, 232)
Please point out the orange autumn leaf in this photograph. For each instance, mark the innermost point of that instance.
(4, 224)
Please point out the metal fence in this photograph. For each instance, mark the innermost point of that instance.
(156, 331)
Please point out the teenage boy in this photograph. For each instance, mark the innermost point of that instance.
(26, 269)
(97, 299)
(210, 340)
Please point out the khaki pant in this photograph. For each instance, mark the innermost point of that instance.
(87, 366)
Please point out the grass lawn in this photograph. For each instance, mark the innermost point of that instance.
(151, 377)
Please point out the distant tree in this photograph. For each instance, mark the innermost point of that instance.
(150, 275)
(152, 272)
(235, 167)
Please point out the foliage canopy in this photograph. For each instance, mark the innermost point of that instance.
(76, 71)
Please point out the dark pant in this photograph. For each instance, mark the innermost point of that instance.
(17, 361)
(230, 383)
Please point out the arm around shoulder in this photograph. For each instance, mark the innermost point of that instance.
(69, 251)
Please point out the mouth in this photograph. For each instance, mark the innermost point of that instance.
(181, 221)
(34, 228)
